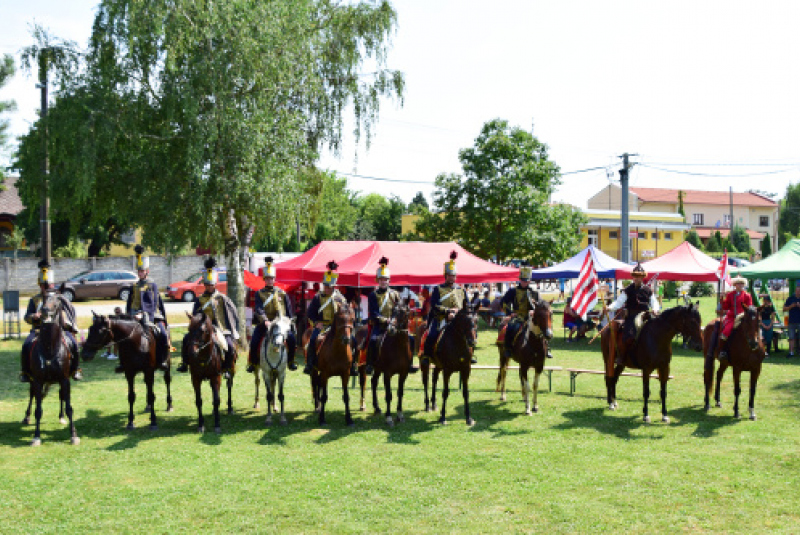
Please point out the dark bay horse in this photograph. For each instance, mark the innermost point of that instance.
(137, 353)
(746, 353)
(653, 351)
(50, 364)
(529, 350)
(394, 358)
(205, 358)
(453, 353)
(334, 358)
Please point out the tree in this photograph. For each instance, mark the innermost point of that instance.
(500, 208)
(740, 239)
(383, 216)
(766, 246)
(681, 210)
(199, 118)
(789, 223)
(713, 244)
(418, 203)
(694, 239)
(6, 72)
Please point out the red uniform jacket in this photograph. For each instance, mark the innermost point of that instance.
(732, 306)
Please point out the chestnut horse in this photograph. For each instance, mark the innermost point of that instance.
(137, 353)
(653, 351)
(529, 350)
(453, 353)
(745, 353)
(334, 359)
(394, 358)
(205, 359)
(50, 364)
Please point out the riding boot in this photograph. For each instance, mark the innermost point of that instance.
(723, 351)
(227, 363)
(183, 367)
(311, 358)
(290, 348)
(74, 362)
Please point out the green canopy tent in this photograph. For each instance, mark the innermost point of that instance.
(784, 264)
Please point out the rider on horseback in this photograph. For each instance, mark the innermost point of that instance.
(271, 303)
(735, 302)
(144, 299)
(636, 298)
(321, 311)
(446, 301)
(33, 315)
(381, 307)
(519, 303)
(222, 312)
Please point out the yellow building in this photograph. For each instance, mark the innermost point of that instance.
(651, 234)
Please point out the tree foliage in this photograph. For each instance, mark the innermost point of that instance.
(383, 216)
(740, 239)
(713, 244)
(766, 246)
(681, 209)
(418, 204)
(6, 72)
(789, 224)
(500, 206)
(694, 239)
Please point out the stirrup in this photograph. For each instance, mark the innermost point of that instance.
(183, 368)
(292, 366)
(24, 377)
(474, 359)
(370, 369)
(412, 368)
(250, 368)
(307, 370)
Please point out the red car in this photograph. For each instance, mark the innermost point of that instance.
(192, 286)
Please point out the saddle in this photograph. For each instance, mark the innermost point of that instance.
(501, 335)
(219, 339)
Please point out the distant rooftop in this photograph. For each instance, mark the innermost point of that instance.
(664, 195)
(10, 203)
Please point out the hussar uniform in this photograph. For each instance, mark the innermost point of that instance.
(518, 303)
(444, 298)
(145, 299)
(68, 317)
(635, 298)
(270, 303)
(381, 308)
(322, 309)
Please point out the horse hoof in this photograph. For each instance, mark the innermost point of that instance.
(147, 408)
(218, 430)
(201, 429)
(528, 412)
(647, 419)
(665, 419)
(470, 422)
(442, 421)
(718, 405)
(26, 421)
(434, 408)
(753, 417)
(256, 406)
(389, 421)
(363, 408)
(170, 409)
(268, 421)
(284, 421)
(62, 421)
(737, 416)
(611, 407)
(536, 408)
(378, 412)
(130, 427)
(75, 441)
(351, 423)
(153, 427)
(36, 442)
(616, 405)
(230, 411)
(707, 407)
(503, 397)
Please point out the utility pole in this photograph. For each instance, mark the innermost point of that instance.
(44, 211)
(625, 250)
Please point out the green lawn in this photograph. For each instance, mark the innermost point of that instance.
(573, 467)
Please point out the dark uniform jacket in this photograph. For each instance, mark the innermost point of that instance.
(444, 297)
(322, 308)
(520, 301)
(271, 303)
(144, 297)
(221, 310)
(68, 312)
(637, 299)
(381, 306)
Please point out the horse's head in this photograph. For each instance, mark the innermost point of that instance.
(747, 323)
(690, 325)
(98, 337)
(343, 321)
(279, 330)
(51, 308)
(400, 317)
(540, 323)
(198, 335)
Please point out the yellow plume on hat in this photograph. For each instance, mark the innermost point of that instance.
(269, 268)
(331, 276)
(383, 271)
(210, 276)
(450, 266)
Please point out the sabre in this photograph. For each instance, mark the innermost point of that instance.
(606, 327)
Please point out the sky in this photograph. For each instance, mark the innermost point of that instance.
(706, 94)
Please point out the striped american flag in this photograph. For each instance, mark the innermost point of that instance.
(585, 296)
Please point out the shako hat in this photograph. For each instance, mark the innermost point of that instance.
(269, 268)
(383, 271)
(210, 275)
(329, 279)
(450, 266)
(142, 262)
(525, 271)
(45, 273)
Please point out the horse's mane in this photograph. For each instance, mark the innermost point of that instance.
(122, 317)
(741, 316)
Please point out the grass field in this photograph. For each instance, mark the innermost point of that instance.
(573, 467)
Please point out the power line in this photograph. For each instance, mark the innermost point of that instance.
(386, 179)
(717, 174)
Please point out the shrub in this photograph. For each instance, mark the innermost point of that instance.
(701, 289)
(670, 289)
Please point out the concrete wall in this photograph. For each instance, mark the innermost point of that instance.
(22, 274)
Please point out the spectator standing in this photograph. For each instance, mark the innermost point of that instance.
(767, 322)
(792, 306)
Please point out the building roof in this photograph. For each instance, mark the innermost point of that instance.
(670, 196)
(10, 203)
(705, 232)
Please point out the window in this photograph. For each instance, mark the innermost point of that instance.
(668, 235)
(95, 277)
(223, 277)
(697, 219)
(612, 234)
(763, 221)
(642, 235)
(654, 235)
(726, 220)
(593, 237)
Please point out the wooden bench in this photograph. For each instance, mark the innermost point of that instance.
(548, 369)
(575, 372)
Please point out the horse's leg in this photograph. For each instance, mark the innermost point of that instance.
(538, 374)
(323, 397)
(375, 406)
(66, 397)
(753, 383)
(526, 387)
(229, 382)
(61, 418)
(401, 382)
(445, 393)
(316, 393)
(436, 372)
(197, 383)
(708, 380)
(270, 393)
(362, 379)
(216, 385)
(614, 382)
(387, 386)
(463, 377)
(646, 392)
(737, 389)
(425, 370)
(720, 373)
(281, 379)
(149, 381)
(257, 379)
(168, 382)
(348, 418)
(130, 376)
(27, 419)
(501, 374)
(37, 413)
(663, 377)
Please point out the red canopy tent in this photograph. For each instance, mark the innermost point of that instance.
(410, 263)
(308, 265)
(683, 263)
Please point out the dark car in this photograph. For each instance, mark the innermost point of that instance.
(100, 283)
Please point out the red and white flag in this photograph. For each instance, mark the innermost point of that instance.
(585, 296)
(723, 269)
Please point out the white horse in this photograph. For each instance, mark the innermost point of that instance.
(274, 358)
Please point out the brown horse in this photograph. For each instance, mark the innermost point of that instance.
(453, 353)
(50, 364)
(394, 358)
(529, 350)
(334, 359)
(137, 353)
(653, 351)
(746, 353)
(205, 359)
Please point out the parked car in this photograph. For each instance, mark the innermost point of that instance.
(100, 283)
(192, 286)
(738, 262)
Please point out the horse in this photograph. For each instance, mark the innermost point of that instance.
(746, 353)
(334, 358)
(137, 353)
(394, 358)
(273, 362)
(50, 364)
(205, 358)
(529, 349)
(452, 354)
(653, 351)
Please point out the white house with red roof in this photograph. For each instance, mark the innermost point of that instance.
(706, 211)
